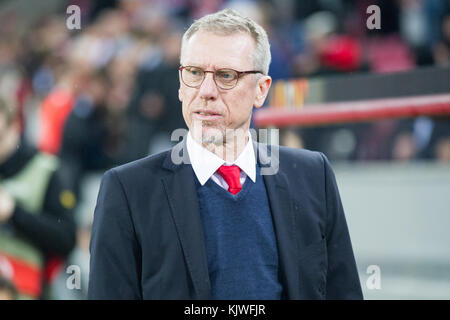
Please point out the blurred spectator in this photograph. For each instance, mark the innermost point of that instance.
(443, 150)
(93, 131)
(335, 52)
(419, 26)
(80, 255)
(7, 289)
(441, 50)
(154, 109)
(338, 142)
(432, 136)
(53, 114)
(404, 148)
(36, 222)
(291, 138)
(389, 54)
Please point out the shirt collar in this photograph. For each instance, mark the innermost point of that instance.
(205, 163)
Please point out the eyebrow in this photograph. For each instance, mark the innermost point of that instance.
(203, 67)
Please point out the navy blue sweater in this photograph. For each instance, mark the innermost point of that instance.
(240, 241)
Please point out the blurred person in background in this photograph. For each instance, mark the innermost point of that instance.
(154, 109)
(91, 135)
(432, 137)
(36, 222)
(441, 50)
(7, 289)
(54, 111)
(96, 134)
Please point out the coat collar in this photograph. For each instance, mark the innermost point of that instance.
(277, 186)
(183, 201)
(182, 197)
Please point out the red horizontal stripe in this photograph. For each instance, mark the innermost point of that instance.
(316, 114)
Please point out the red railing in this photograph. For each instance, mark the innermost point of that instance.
(354, 111)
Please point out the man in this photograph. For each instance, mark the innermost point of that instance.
(36, 222)
(214, 226)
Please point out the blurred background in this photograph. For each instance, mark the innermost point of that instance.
(107, 93)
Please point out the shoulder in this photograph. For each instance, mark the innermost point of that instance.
(309, 163)
(293, 158)
(301, 167)
(301, 155)
(150, 167)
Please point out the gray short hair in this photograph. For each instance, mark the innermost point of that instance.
(229, 21)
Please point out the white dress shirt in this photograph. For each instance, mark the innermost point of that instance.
(205, 163)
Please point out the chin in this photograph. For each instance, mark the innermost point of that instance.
(212, 135)
(207, 132)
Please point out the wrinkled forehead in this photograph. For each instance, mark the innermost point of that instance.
(211, 50)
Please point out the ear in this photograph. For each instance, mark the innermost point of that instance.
(180, 95)
(262, 89)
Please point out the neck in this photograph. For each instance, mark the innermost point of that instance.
(230, 149)
(228, 152)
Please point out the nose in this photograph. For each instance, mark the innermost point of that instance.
(208, 89)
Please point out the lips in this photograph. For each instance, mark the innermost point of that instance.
(207, 114)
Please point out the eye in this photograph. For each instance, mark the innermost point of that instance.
(193, 71)
(226, 75)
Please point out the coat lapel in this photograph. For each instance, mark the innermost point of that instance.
(284, 224)
(182, 197)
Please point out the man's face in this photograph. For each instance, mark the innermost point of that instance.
(231, 108)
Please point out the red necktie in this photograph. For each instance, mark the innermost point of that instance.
(231, 175)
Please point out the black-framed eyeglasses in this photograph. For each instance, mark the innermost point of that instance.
(225, 79)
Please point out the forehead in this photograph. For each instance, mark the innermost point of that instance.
(207, 49)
